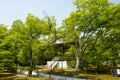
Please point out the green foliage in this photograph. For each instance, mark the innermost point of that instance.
(70, 53)
(12, 69)
(93, 26)
(92, 34)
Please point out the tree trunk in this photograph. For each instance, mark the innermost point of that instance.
(30, 71)
(31, 63)
(77, 57)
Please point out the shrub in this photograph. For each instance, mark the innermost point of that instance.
(1, 68)
(12, 69)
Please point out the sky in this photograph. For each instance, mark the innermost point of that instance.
(12, 10)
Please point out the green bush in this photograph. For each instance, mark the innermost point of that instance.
(12, 69)
(7, 63)
(72, 63)
(1, 68)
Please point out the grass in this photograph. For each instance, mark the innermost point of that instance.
(7, 76)
(100, 77)
(90, 76)
(68, 72)
(12, 76)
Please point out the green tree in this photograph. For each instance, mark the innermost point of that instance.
(3, 34)
(32, 38)
(89, 26)
(6, 57)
